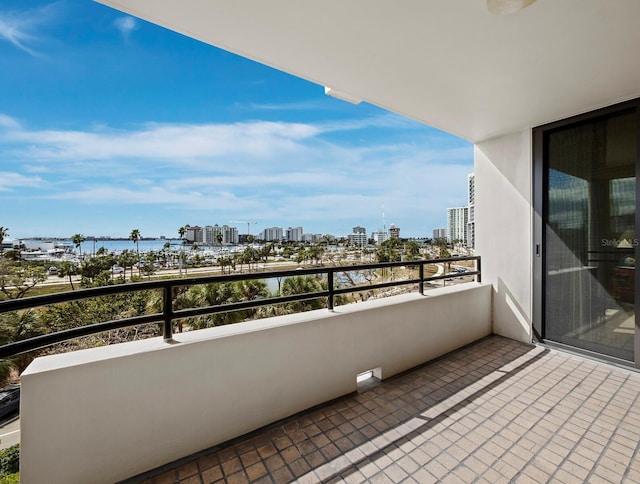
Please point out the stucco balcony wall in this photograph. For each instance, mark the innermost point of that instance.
(108, 413)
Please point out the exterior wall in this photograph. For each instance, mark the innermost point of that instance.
(457, 219)
(503, 211)
(109, 413)
(471, 225)
(439, 234)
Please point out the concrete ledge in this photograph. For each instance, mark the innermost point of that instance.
(105, 414)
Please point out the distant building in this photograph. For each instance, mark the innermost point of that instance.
(379, 237)
(471, 223)
(211, 234)
(272, 234)
(193, 233)
(312, 238)
(358, 237)
(230, 235)
(394, 232)
(457, 219)
(440, 234)
(294, 234)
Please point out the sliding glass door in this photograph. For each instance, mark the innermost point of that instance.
(586, 199)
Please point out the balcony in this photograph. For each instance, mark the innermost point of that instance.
(406, 387)
(280, 400)
(111, 412)
(495, 411)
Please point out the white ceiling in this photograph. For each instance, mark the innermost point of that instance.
(448, 63)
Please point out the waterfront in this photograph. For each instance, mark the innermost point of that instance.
(116, 246)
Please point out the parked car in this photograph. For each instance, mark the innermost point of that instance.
(117, 270)
(53, 271)
(9, 400)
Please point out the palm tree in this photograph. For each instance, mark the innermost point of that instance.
(219, 238)
(68, 269)
(77, 240)
(135, 236)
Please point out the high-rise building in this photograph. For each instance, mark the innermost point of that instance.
(471, 223)
(272, 234)
(457, 219)
(358, 237)
(207, 237)
(294, 234)
(230, 235)
(193, 233)
(440, 234)
(394, 232)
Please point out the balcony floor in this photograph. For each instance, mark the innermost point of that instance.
(495, 411)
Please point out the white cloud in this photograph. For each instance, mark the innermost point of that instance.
(125, 26)
(180, 143)
(310, 105)
(21, 28)
(284, 172)
(8, 122)
(9, 180)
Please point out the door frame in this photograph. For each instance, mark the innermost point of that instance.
(539, 190)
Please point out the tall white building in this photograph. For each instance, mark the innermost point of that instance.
(230, 235)
(471, 223)
(272, 234)
(457, 219)
(294, 234)
(439, 234)
(358, 236)
(193, 233)
(208, 237)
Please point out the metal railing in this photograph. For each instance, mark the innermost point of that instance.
(169, 315)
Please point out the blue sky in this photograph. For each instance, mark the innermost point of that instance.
(109, 123)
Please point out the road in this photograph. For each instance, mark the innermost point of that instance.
(9, 431)
(200, 271)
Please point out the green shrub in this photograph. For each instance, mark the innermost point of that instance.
(9, 460)
(11, 479)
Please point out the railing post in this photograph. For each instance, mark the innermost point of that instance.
(167, 312)
(421, 275)
(330, 287)
(479, 269)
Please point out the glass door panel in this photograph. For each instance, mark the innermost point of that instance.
(590, 235)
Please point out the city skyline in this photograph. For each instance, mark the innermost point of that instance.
(134, 126)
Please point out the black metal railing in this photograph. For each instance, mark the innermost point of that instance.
(169, 315)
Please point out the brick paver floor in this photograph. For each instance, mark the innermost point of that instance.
(495, 411)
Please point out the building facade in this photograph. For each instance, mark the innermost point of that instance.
(379, 237)
(294, 234)
(471, 223)
(358, 236)
(193, 233)
(440, 234)
(230, 235)
(272, 234)
(457, 219)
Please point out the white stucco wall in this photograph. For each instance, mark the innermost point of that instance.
(503, 182)
(105, 414)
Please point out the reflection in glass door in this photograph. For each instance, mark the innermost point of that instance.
(589, 234)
